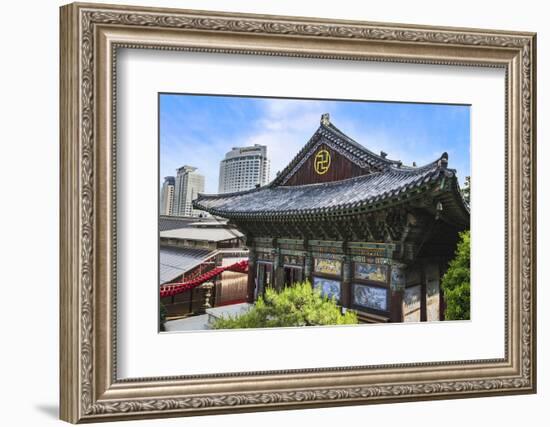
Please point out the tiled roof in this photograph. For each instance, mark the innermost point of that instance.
(330, 135)
(176, 261)
(169, 222)
(326, 197)
(387, 181)
(335, 135)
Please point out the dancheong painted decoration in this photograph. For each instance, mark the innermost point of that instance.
(372, 230)
(329, 288)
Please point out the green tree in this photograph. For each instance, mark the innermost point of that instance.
(296, 305)
(162, 317)
(456, 281)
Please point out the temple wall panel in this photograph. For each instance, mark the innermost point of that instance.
(432, 292)
(370, 277)
(411, 304)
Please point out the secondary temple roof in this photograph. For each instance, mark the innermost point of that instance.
(176, 261)
(381, 182)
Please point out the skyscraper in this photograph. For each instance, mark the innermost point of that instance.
(188, 184)
(244, 168)
(167, 196)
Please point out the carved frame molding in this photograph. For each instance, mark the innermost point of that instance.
(90, 36)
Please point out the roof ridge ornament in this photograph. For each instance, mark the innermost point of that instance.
(325, 119)
(443, 161)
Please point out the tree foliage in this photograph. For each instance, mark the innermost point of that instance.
(456, 281)
(162, 317)
(296, 305)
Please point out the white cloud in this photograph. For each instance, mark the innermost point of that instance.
(284, 128)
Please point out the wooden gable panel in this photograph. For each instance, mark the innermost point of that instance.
(325, 165)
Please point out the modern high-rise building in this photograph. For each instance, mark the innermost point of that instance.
(167, 196)
(244, 168)
(188, 184)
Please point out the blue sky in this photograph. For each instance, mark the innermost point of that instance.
(198, 130)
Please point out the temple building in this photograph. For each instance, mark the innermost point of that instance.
(371, 232)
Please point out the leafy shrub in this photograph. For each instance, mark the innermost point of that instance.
(456, 281)
(296, 305)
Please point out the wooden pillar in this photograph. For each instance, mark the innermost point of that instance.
(397, 288)
(278, 271)
(423, 295)
(308, 267)
(251, 285)
(346, 282)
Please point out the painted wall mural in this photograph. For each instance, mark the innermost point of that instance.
(375, 272)
(329, 288)
(411, 304)
(397, 280)
(328, 266)
(370, 297)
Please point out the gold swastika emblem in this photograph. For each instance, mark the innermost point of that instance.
(322, 162)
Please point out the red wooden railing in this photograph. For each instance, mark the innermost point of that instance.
(171, 289)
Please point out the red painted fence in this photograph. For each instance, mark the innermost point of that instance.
(171, 289)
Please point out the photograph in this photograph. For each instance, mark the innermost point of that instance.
(268, 211)
(288, 212)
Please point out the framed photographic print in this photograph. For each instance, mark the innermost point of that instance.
(275, 185)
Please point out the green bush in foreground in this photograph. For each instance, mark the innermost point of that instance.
(162, 317)
(456, 282)
(296, 305)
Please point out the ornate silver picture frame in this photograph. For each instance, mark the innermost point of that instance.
(91, 37)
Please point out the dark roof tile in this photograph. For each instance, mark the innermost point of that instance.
(389, 180)
(322, 198)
